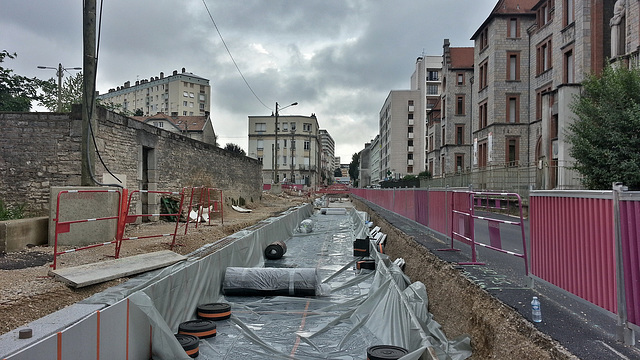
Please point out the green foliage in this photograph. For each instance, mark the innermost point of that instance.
(425, 174)
(71, 93)
(354, 166)
(235, 148)
(409, 177)
(116, 108)
(605, 136)
(16, 91)
(11, 212)
(138, 112)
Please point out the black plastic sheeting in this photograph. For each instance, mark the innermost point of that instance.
(275, 250)
(270, 281)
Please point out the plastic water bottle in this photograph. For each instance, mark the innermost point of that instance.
(536, 312)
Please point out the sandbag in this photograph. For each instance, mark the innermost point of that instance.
(275, 250)
(270, 281)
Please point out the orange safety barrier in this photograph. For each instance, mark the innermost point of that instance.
(65, 226)
(201, 198)
(129, 218)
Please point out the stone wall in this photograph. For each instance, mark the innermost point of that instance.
(40, 150)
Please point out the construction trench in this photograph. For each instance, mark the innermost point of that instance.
(327, 309)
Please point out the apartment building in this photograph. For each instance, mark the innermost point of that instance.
(180, 94)
(500, 127)
(298, 155)
(327, 156)
(455, 108)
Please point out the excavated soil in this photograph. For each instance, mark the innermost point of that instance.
(27, 292)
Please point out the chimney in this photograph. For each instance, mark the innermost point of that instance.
(127, 84)
(137, 82)
(184, 70)
(161, 75)
(175, 72)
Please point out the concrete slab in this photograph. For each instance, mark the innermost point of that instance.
(89, 274)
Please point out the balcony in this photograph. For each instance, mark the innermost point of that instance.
(410, 149)
(410, 135)
(411, 122)
(411, 108)
(410, 162)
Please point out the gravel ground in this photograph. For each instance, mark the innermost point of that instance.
(28, 293)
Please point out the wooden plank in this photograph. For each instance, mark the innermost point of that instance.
(89, 274)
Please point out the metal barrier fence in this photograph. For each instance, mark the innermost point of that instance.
(574, 246)
(65, 226)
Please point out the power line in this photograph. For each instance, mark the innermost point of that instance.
(231, 56)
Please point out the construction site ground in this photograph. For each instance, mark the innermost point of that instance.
(497, 330)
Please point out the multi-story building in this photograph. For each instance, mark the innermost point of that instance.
(297, 158)
(327, 156)
(195, 127)
(454, 110)
(374, 161)
(400, 134)
(180, 94)
(364, 168)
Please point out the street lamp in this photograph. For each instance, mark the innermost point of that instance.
(59, 71)
(275, 170)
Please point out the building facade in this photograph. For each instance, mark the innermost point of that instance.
(327, 156)
(297, 158)
(180, 94)
(195, 127)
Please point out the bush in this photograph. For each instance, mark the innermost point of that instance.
(11, 212)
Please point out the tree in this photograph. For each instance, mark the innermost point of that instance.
(16, 91)
(605, 135)
(354, 166)
(138, 112)
(71, 93)
(234, 148)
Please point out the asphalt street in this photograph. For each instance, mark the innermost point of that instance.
(586, 330)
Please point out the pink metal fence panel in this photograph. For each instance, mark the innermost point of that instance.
(572, 246)
(422, 207)
(630, 231)
(437, 214)
(404, 203)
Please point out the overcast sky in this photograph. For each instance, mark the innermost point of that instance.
(337, 58)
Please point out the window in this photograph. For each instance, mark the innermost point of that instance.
(513, 109)
(293, 144)
(260, 144)
(410, 156)
(410, 102)
(410, 116)
(513, 31)
(201, 106)
(201, 97)
(410, 129)
(185, 94)
(568, 66)
(260, 158)
(293, 126)
(307, 145)
(512, 155)
(459, 162)
(442, 139)
(158, 124)
(482, 115)
(284, 143)
(285, 126)
(284, 160)
(432, 75)
(569, 12)
(459, 134)
(543, 15)
(484, 38)
(191, 104)
(543, 56)
(460, 105)
(184, 103)
(539, 93)
(482, 154)
(432, 89)
(306, 127)
(261, 127)
(460, 78)
(513, 70)
(484, 70)
(184, 113)
(191, 95)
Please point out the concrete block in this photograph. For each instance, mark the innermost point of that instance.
(82, 206)
(15, 235)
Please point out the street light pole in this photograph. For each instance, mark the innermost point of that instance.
(59, 73)
(275, 171)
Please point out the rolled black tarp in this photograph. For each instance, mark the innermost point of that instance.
(269, 281)
(275, 250)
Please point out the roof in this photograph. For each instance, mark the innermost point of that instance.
(508, 7)
(194, 123)
(461, 57)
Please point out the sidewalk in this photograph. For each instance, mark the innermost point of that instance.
(586, 330)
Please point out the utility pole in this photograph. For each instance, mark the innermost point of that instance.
(275, 171)
(88, 79)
